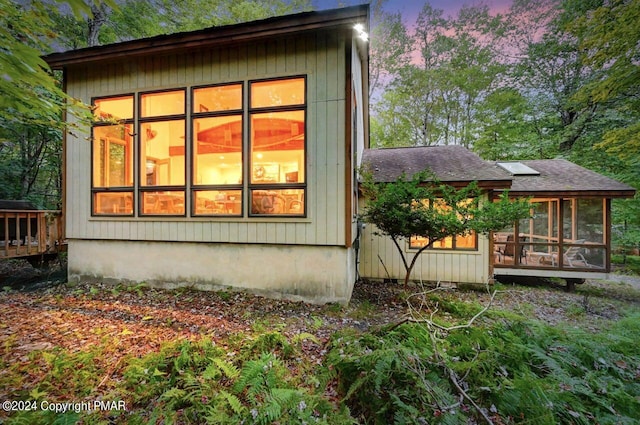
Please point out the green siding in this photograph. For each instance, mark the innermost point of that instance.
(320, 56)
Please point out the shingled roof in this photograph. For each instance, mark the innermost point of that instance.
(559, 176)
(457, 165)
(450, 164)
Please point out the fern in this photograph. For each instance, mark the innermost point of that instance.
(233, 401)
(302, 336)
(256, 375)
(227, 368)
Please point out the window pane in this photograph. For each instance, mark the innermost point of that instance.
(466, 242)
(591, 220)
(114, 108)
(162, 203)
(219, 98)
(162, 153)
(277, 147)
(118, 203)
(112, 156)
(164, 103)
(277, 93)
(446, 243)
(277, 202)
(417, 242)
(218, 202)
(218, 150)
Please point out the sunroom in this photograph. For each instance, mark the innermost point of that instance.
(568, 234)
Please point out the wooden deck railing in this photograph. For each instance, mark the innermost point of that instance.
(25, 233)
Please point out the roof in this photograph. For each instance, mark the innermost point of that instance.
(559, 176)
(450, 164)
(458, 165)
(281, 26)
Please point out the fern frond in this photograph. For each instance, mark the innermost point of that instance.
(253, 374)
(227, 368)
(234, 402)
(297, 339)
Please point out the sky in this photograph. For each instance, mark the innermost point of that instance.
(409, 9)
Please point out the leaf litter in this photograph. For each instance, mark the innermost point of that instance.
(135, 321)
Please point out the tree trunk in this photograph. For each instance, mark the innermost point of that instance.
(95, 23)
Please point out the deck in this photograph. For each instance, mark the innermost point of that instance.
(30, 233)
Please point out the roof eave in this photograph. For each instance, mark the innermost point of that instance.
(483, 184)
(216, 36)
(574, 193)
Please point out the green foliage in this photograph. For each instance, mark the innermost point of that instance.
(630, 262)
(200, 382)
(424, 207)
(133, 19)
(519, 371)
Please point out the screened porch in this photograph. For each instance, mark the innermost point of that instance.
(562, 237)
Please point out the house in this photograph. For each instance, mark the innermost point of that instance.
(223, 157)
(571, 214)
(227, 157)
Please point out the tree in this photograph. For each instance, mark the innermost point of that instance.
(610, 36)
(389, 48)
(134, 19)
(422, 206)
(437, 94)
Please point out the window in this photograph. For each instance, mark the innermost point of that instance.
(460, 242)
(112, 153)
(162, 153)
(277, 147)
(469, 242)
(243, 149)
(217, 150)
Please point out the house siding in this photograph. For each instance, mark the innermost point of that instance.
(379, 259)
(319, 56)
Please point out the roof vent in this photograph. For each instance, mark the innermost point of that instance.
(518, 169)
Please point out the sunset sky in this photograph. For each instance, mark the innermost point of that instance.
(410, 8)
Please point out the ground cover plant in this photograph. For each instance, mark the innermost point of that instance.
(525, 354)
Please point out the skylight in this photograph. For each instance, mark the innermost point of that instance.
(518, 169)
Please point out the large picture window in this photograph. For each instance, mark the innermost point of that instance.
(162, 153)
(245, 154)
(217, 150)
(112, 156)
(277, 147)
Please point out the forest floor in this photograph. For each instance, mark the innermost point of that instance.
(46, 313)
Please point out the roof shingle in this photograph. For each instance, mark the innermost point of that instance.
(450, 164)
(560, 175)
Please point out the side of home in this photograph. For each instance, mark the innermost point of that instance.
(458, 259)
(222, 157)
(568, 235)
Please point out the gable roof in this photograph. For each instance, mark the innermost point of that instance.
(279, 26)
(559, 176)
(450, 164)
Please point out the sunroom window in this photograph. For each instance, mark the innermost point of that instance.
(112, 153)
(162, 153)
(277, 147)
(217, 150)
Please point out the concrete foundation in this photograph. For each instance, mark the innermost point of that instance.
(315, 274)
